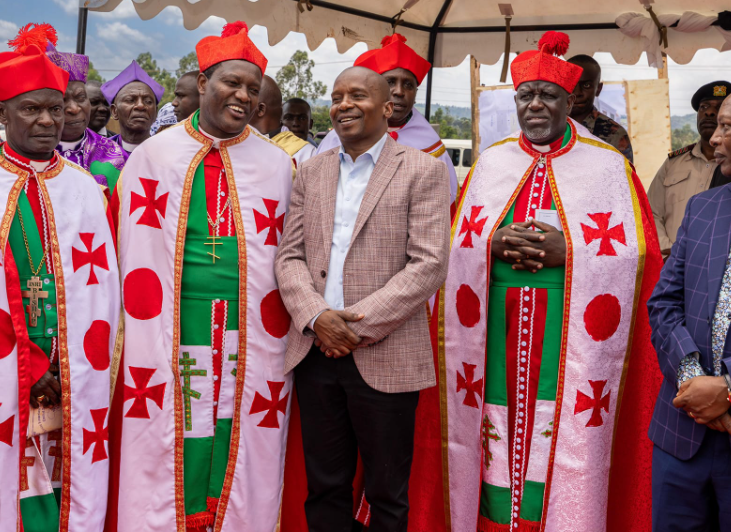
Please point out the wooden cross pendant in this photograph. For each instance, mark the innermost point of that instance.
(34, 294)
(215, 242)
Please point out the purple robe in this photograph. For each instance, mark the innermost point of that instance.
(92, 152)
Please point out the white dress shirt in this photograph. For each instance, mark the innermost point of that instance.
(353, 179)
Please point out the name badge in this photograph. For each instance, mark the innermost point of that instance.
(550, 217)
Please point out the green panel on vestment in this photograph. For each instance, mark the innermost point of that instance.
(496, 392)
(531, 509)
(47, 328)
(106, 169)
(548, 381)
(205, 459)
(40, 514)
(219, 461)
(195, 315)
(196, 473)
(57, 494)
(496, 503)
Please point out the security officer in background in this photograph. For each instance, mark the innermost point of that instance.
(689, 170)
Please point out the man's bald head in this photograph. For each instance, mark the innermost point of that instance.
(361, 107)
(268, 115)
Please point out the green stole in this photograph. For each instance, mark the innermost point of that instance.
(40, 514)
(205, 459)
(496, 501)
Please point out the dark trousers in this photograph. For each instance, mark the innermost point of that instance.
(342, 415)
(693, 495)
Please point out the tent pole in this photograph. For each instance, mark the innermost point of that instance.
(433, 33)
(81, 30)
(430, 78)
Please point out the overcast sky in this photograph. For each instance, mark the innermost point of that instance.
(114, 39)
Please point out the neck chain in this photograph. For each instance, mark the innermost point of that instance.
(220, 214)
(34, 270)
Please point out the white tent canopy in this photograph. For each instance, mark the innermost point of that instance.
(458, 28)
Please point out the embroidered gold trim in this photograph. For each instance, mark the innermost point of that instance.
(63, 352)
(178, 273)
(241, 363)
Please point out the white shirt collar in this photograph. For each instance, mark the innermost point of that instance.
(374, 152)
(128, 147)
(73, 145)
(216, 140)
(102, 132)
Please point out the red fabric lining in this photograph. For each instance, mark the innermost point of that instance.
(485, 525)
(630, 483)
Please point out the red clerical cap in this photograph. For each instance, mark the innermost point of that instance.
(234, 43)
(544, 65)
(394, 54)
(28, 68)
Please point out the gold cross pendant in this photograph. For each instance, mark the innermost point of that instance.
(34, 294)
(214, 243)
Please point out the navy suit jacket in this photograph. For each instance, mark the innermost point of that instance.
(681, 312)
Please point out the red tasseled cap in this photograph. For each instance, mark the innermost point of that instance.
(234, 43)
(28, 68)
(394, 54)
(545, 65)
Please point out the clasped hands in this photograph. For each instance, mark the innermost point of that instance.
(47, 391)
(525, 249)
(334, 337)
(705, 399)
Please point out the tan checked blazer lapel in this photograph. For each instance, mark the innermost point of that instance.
(329, 192)
(383, 172)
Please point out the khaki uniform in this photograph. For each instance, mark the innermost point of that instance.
(685, 173)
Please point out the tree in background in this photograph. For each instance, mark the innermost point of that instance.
(162, 76)
(93, 74)
(683, 136)
(295, 79)
(451, 127)
(321, 118)
(187, 63)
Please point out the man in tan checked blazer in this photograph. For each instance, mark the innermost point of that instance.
(365, 245)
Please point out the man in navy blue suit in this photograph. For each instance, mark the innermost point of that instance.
(690, 312)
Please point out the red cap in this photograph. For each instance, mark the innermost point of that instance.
(394, 54)
(544, 65)
(234, 43)
(28, 68)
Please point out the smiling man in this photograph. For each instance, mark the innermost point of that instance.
(134, 96)
(543, 326)
(363, 250)
(404, 70)
(689, 170)
(59, 308)
(100, 156)
(201, 408)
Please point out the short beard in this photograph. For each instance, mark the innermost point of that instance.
(539, 136)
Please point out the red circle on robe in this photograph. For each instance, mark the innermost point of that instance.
(7, 334)
(602, 317)
(274, 315)
(468, 306)
(142, 294)
(96, 345)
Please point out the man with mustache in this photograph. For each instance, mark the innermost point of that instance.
(404, 70)
(100, 156)
(363, 250)
(690, 313)
(134, 96)
(100, 108)
(585, 112)
(201, 408)
(542, 324)
(59, 307)
(689, 170)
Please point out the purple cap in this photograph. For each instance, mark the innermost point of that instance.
(76, 65)
(132, 73)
